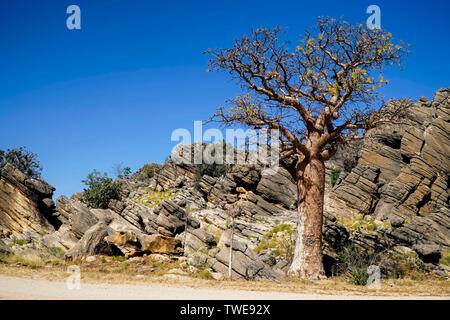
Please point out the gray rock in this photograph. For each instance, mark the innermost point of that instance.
(335, 234)
(245, 266)
(40, 187)
(197, 260)
(204, 236)
(4, 249)
(78, 196)
(93, 243)
(116, 206)
(429, 253)
(267, 259)
(396, 222)
(49, 203)
(279, 188)
(80, 217)
(225, 242)
(29, 236)
(282, 264)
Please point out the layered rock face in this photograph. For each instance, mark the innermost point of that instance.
(25, 204)
(397, 197)
(402, 176)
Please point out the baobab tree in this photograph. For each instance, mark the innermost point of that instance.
(319, 94)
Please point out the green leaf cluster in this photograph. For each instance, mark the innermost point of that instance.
(101, 190)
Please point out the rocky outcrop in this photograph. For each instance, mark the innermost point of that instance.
(396, 198)
(25, 204)
(403, 176)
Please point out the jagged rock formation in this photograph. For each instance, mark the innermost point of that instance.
(403, 176)
(25, 204)
(395, 198)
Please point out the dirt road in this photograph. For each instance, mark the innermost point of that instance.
(20, 288)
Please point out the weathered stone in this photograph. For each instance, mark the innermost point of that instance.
(267, 259)
(278, 188)
(116, 206)
(125, 239)
(429, 253)
(93, 242)
(402, 176)
(21, 206)
(78, 215)
(157, 243)
(245, 266)
(4, 249)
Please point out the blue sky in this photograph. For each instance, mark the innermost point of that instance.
(116, 89)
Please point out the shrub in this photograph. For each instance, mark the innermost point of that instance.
(101, 190)
(214, 169)
(203, 274)
(148, 172)
(20, 242)
(445, 260)
(120, 172)
(118, 258)
(359, 276)
(281, 239)
(334, 176)
(354, 262)
(126, 172)
(22, 159)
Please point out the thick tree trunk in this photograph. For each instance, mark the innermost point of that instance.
(307, 262)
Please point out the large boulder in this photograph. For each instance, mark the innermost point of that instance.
(79, 216)
(140, 243)
(93, 242)
(429, 253)
(156, 243)
(278, 188)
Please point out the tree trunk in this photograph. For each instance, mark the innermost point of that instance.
(307, 262)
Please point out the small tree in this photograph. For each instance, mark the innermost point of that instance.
(319, 95)
(23, 160)
(121, 172)
(101, 190)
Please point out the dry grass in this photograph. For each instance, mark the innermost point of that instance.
(152, 198)
(147, 270)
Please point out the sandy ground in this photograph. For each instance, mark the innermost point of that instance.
(20, 288)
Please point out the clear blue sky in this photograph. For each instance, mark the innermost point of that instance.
(116, 89)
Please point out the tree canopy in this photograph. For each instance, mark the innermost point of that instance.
(22, 159)
(326, 84)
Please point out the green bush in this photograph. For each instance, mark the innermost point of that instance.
(23, 160)
(359, 276)
(101, 190)
(214, 169)
(354, 262)
(126, 172)
(334, 176)
(281, 241)
(148, 171)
